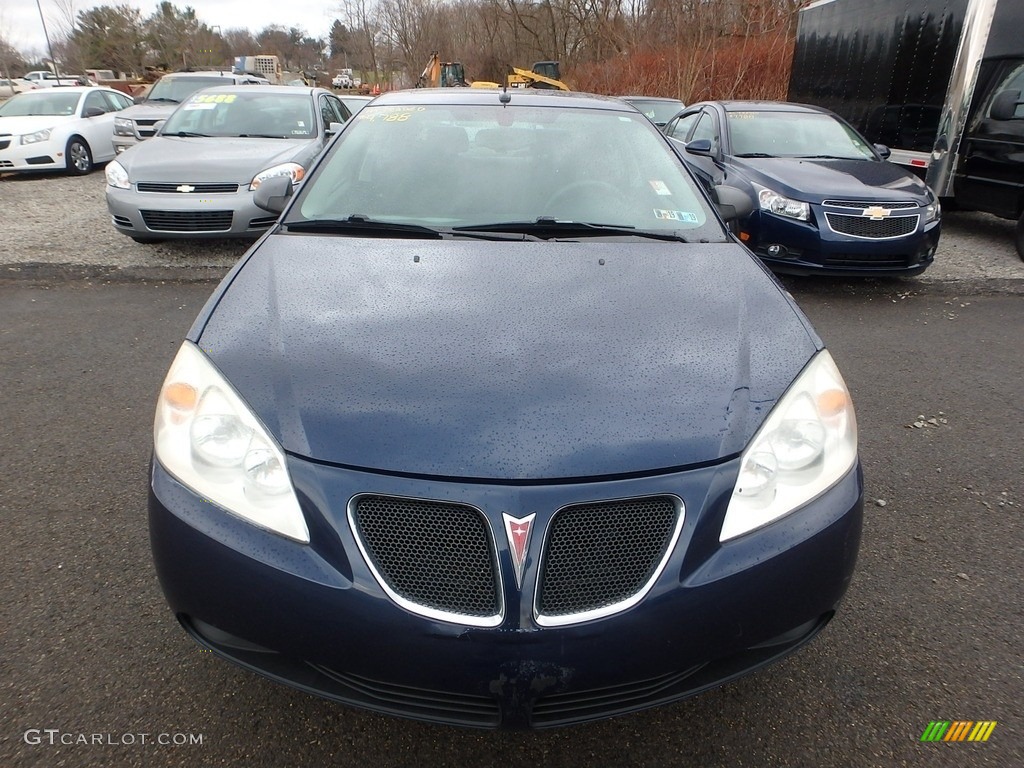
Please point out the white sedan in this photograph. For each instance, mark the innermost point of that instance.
(57, 129)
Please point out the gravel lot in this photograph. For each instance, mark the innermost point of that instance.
(58, 224)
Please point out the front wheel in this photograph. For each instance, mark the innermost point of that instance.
(1019, 239)
(79, 158)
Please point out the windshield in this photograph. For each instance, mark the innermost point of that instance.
(795, 134)
(59, 103)
(445, 165)
(177, 89)
(255, 113)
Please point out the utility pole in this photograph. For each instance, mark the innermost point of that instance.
(49, 46)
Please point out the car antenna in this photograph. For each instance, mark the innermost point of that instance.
(505, 97)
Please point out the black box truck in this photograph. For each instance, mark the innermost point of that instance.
(940, 82)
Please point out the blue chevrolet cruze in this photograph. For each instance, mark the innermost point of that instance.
(499, 426)
(825, 201)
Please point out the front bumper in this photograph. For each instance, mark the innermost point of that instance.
(313, 616)
(40, 156)
(812, 248)
(160, 215)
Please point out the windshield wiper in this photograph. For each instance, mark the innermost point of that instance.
(361, 225)
(546, 227)
(828, 157)
(163, 98)
(188, 134)
(754, 154)
(261, 136)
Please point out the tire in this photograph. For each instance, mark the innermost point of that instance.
(1019, 239)
(78, 156)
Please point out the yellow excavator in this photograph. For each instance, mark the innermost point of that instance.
(545, 74)
(442, 74)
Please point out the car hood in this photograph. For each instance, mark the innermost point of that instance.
(166, 158)
(516, 361)
(18, 126)
(157, 110)
(814, 181)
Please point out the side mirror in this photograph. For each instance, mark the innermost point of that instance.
(93, 112)
(159, 126)
(883, 150)
(732, 203)
(333, 128)
(273, 194)
(700, 147)
(1004, 105)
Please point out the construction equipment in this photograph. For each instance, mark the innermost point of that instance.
(438, 74)
(545, 74)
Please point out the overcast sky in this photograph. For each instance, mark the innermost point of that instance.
(20, 24)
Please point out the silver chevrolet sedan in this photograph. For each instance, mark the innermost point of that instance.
(197, 176)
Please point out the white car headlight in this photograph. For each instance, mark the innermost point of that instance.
(208, 438)
(37, 136)
(117, 176)
(933, 211)
(806, 445)
(769, 200)
(123, 127)
(294, 170)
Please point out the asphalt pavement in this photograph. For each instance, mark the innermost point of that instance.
(94, 670)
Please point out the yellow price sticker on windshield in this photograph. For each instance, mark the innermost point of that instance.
(214, 98)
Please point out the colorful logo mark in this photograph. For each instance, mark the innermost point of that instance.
(958, 730)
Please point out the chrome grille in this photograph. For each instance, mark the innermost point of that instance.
(860, 205)
(602, 558)
(187, 221)
(190, 189)
(145, 128)
(865, 227)
(433, 558)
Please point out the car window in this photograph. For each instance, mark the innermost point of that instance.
(1014, 82)
(95, 100)
(682, 126)
(794, 134)
(706, 129)
(341, 108)
(177, 89)
(473, 165)
(115, 101)
(331, 111)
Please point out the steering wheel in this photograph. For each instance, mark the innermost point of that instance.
(586, 188)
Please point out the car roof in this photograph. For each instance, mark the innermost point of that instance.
(765, 106)
(670, 99)
(532, 96)
(206, 73)
(70, 89)
(289, 90)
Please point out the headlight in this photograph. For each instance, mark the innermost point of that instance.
(123, 127)
(294, 170)
(206, 436)
(34, 138)
(117, 176)
(770, 200)
(933, 211)
(808, 443)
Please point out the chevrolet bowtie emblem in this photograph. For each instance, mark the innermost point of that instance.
(185, 188)
(876, 212)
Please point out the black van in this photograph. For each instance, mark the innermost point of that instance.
(941, 84)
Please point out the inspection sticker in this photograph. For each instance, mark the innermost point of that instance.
(685, 216)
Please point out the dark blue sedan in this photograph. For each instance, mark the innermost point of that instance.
(825, 201)
(499, 426)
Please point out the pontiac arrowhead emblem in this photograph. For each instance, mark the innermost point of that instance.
(517, 529)
(876, 212)
(185, 188)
